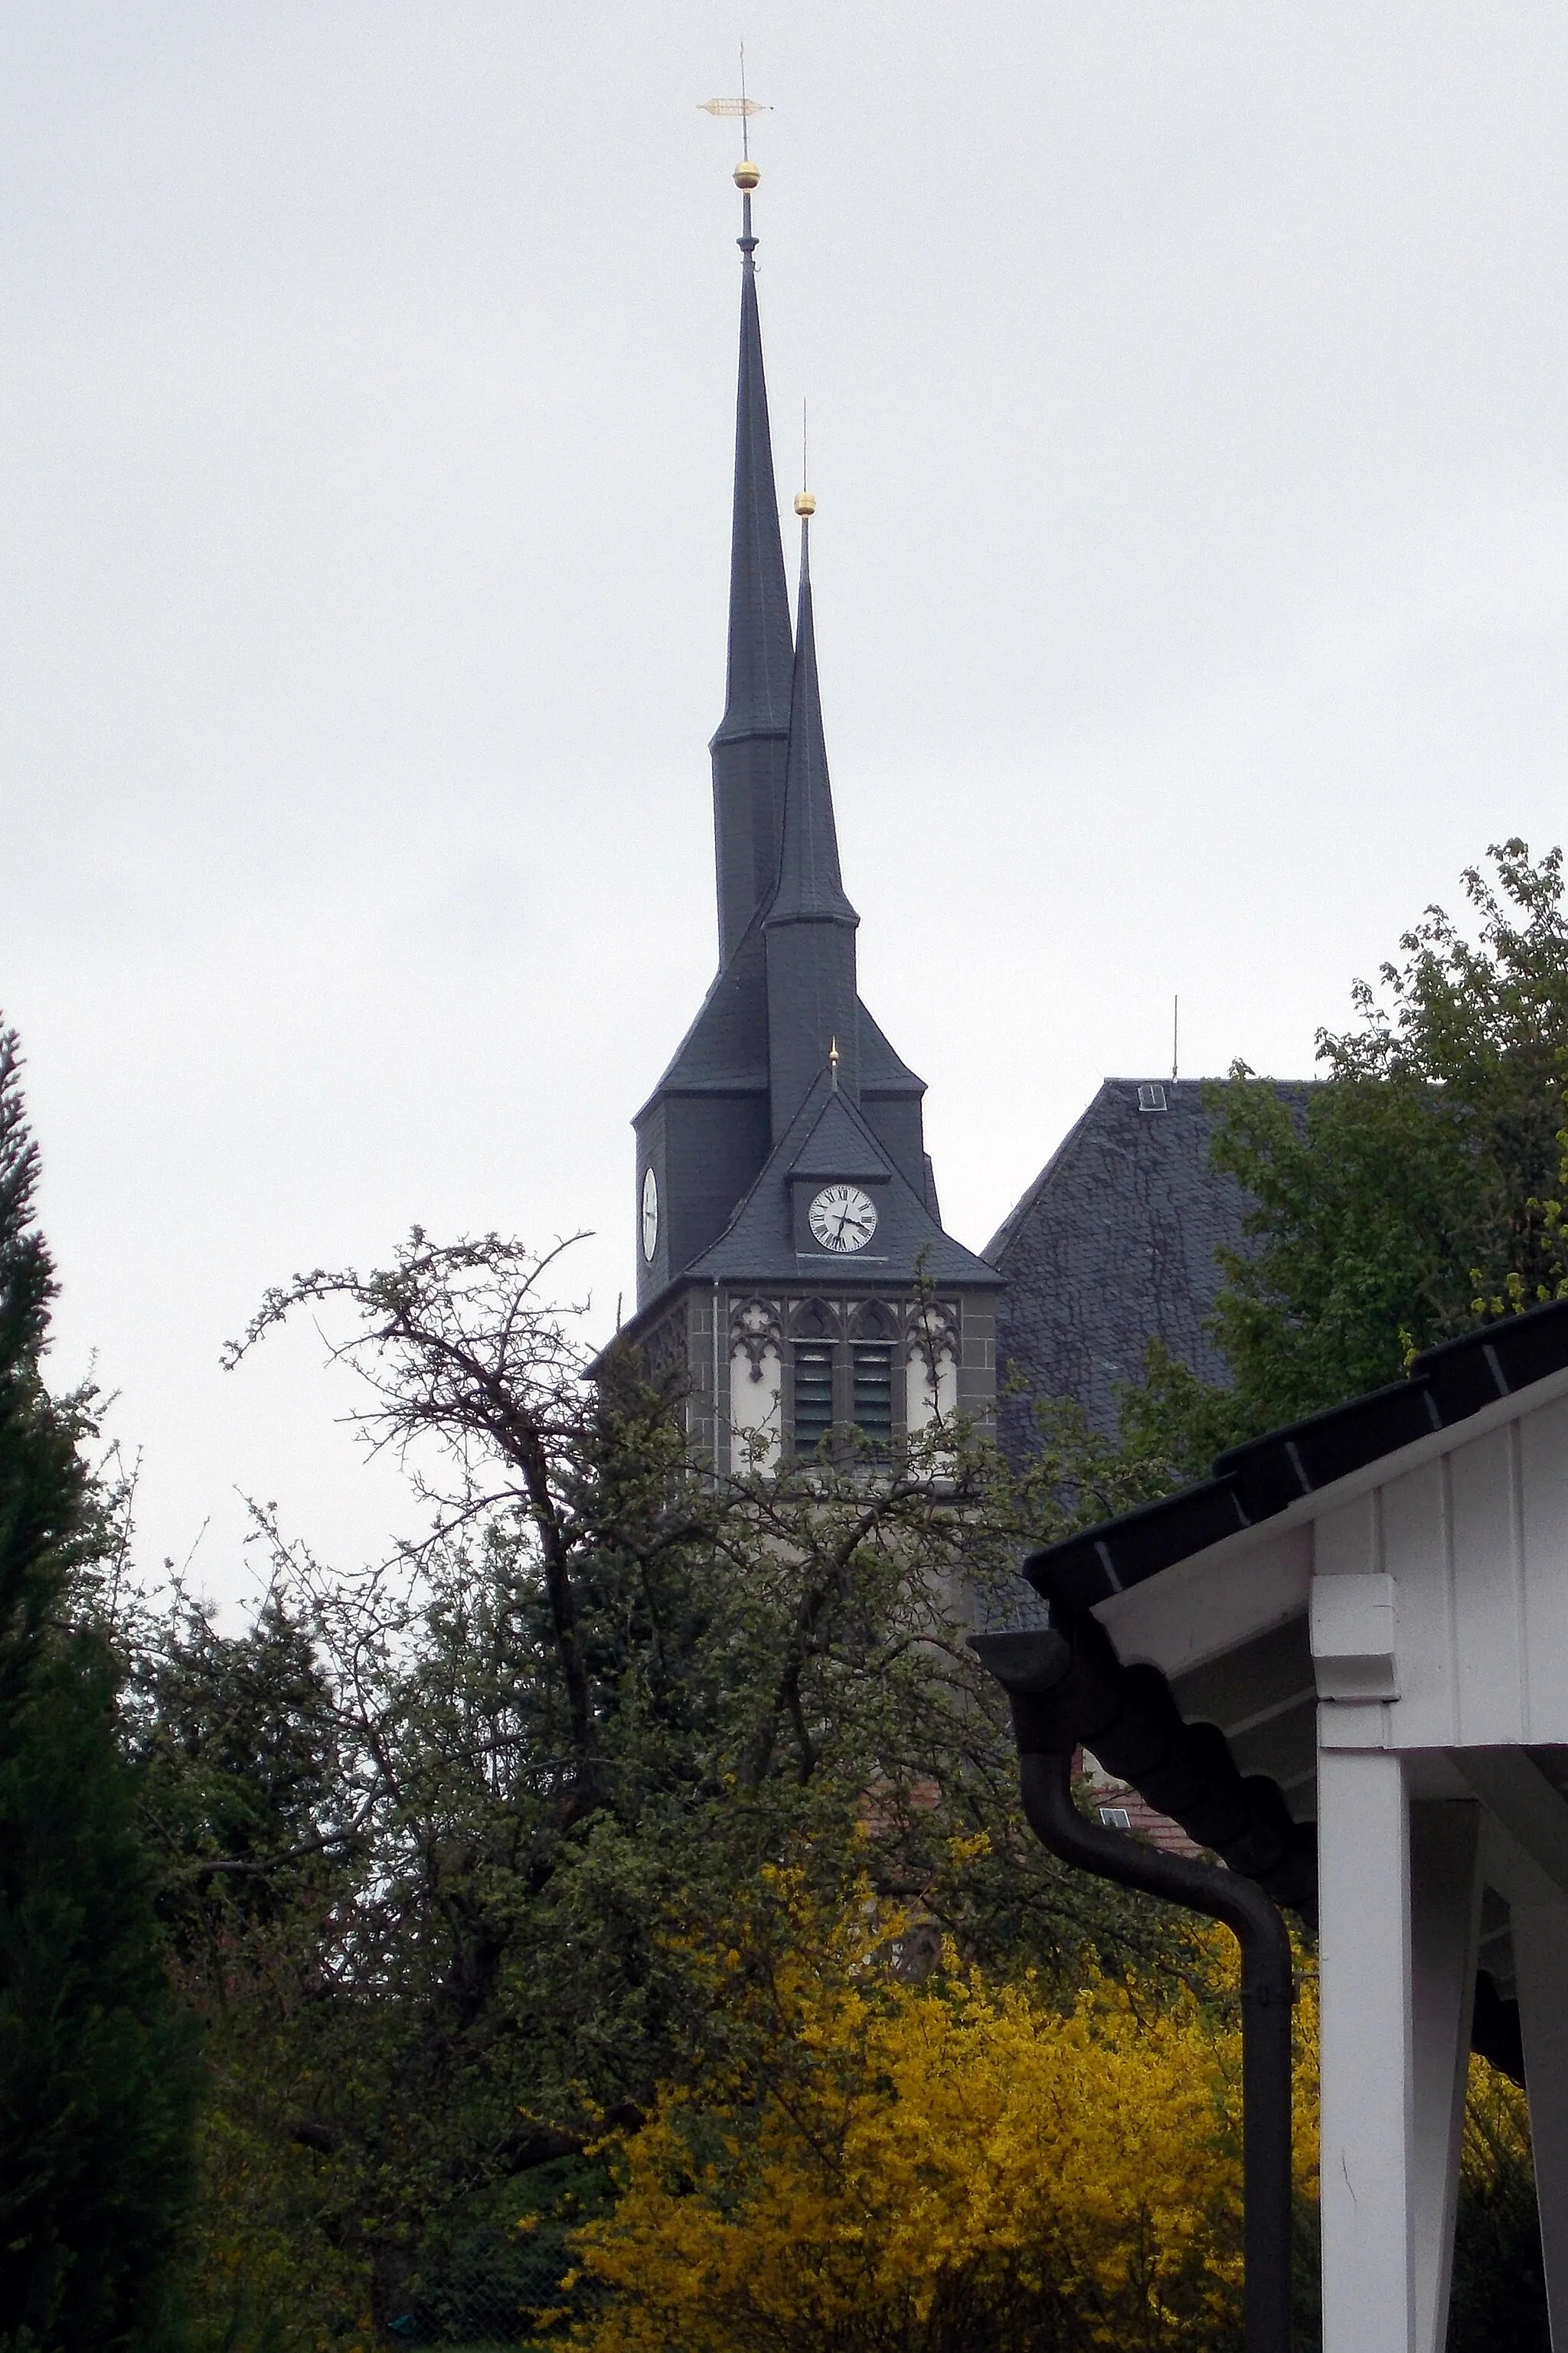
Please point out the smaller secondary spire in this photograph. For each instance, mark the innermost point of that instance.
(811, 888)
(814, 1014)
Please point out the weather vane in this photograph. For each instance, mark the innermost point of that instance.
(744, 107)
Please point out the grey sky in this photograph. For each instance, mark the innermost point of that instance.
(1187, 384)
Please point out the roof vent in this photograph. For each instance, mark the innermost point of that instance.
(1151, 1097)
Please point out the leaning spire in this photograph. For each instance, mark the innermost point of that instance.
(749, 747)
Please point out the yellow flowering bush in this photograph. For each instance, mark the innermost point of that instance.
(885, 2166)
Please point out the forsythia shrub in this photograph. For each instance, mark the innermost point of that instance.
(897, 2167)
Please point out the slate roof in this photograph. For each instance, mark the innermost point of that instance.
(1112, 1245)
(839, 1145)
(759, 1243)
(725, 1050)
(883, 1072)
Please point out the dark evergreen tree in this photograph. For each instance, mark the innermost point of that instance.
(97, 2068)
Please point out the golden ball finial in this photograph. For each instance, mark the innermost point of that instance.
(746, 176)
(804, 504)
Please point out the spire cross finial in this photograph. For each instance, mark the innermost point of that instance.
(746, 173)
(832, 1063)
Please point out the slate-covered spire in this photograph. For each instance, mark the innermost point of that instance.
(809, 885)
(749, 749)
(810, 926)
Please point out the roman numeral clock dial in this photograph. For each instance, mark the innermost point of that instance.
(843, 1218)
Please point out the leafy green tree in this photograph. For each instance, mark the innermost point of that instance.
(443, 1930)
(96, 2068)
(1419, 1191)
(234, 1743)
(1414, 1193)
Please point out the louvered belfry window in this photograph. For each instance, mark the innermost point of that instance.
(813, 1394)
(871, 1406)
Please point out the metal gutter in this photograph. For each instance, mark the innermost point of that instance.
(1064, 1690)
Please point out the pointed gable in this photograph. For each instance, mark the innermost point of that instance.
(759, 1245)
(839, 1144)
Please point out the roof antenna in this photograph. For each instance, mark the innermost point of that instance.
(1175, 1036)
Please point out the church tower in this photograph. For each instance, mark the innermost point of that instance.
(787, 1218)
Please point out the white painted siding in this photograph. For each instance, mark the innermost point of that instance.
(1477, 1544)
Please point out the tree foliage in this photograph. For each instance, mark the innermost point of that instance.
(1419, 1190)
(1422, 1188)
(1498, 2302)
(435, 1834)
(96, 2074)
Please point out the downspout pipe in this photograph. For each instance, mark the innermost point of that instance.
(1046, 1690)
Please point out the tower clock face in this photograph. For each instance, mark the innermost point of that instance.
(650, 1216)
(843, 1218)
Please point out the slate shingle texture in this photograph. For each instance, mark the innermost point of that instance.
(1113, 1245)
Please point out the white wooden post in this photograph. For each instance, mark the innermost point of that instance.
(1435, 1581)
(1540, 1960)
(1363, 1874)
(1445, 1924)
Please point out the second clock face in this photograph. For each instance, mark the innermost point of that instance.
(843, 1218)
(650, 1216)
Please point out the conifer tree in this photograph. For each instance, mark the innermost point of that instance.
(96, 2066)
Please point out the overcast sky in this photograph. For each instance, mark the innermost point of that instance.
(1186, 382)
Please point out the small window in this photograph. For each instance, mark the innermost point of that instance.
(813, 1394)
(1116, 1818)
(1151, 1097)
(872, 1405)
